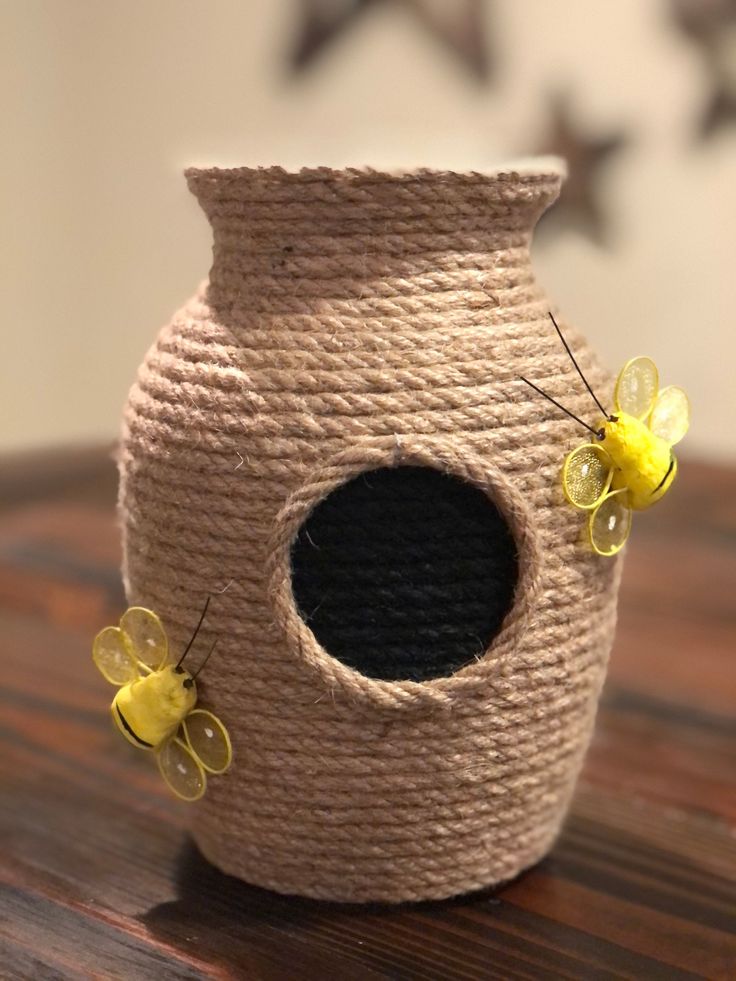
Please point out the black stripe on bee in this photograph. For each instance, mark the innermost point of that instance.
(669, 471)
(127, 728)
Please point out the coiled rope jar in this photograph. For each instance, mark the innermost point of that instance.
(332, 439)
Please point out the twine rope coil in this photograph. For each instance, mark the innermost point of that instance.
(355, 319)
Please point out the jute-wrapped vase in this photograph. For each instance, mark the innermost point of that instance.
(355, 321)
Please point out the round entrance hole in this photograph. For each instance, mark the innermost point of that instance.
(405, 573)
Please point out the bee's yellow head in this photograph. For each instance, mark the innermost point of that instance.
(176, 688)
(644, 463)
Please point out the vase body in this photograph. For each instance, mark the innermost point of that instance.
(356, 321)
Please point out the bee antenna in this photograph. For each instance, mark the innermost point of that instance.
(194, 676)
(196, 631)
(577, 366)
(555, 402)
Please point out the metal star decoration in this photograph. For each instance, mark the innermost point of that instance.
(711, 27)
(458, 26)
(587, 156)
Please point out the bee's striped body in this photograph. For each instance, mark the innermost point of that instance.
(644, 464)
(149, 710)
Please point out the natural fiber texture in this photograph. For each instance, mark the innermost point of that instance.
(356, 320)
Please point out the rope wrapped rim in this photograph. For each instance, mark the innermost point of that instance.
(525, 180)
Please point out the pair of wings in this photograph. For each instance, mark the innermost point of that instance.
(588, 470)
(185, 762)
(201, 745)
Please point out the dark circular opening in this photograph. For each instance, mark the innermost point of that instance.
(405, 573)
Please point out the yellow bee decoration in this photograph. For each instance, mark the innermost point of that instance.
(631, 465)
(155, 708)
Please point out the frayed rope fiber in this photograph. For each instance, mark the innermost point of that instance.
(405, 573)
(362, 327)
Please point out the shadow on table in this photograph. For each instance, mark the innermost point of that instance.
(221, 919)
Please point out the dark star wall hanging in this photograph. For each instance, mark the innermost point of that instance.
(458, 26)
(587, 155)
(711, 27)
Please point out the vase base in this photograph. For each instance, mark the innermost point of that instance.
(444, 883)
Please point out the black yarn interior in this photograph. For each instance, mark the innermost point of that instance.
(405, 573)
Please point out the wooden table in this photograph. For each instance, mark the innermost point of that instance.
(100, 880)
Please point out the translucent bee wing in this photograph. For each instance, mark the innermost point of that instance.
(609, 525)
(181, 770)
(586, 475)
(670, 418)
(113, 657)
(146, 636)
(208, 740)
(636, 387)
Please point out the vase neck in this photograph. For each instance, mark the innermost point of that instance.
(320, 236)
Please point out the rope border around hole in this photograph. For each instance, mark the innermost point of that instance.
(438, 693)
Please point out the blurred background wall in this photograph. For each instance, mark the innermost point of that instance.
(103, 102)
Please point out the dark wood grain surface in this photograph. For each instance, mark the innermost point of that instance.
(99, 879)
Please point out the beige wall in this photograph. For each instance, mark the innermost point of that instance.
(104, 101)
